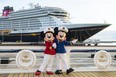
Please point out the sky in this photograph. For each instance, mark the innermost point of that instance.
(81, 11)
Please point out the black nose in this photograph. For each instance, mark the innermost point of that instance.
(49, 36)
(61, 36)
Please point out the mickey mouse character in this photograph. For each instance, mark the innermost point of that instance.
(49, 52)
(61, 52)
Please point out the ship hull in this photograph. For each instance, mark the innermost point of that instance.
(80, 33)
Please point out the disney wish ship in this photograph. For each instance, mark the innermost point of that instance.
(27, 25)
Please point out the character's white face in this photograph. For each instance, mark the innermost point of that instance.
(61, 36)
(49, 37)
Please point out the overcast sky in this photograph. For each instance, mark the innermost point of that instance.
(81, 11)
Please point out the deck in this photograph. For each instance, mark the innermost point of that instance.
(82, 62)
(74, 74)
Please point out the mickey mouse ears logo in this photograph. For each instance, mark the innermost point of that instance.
(48, 28)
(63, 27)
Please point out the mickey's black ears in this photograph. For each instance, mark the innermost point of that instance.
(55, 31)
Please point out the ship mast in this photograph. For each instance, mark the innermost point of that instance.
(31, 5)
(34, 5)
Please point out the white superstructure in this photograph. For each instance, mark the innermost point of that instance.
(34, 20)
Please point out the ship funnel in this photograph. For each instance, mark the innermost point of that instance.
(7, 10)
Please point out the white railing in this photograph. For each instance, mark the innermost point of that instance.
(80, 61)
(84, 62)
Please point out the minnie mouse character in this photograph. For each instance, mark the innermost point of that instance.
(49, 52)
(61, 52)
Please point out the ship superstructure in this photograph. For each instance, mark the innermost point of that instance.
(27, 25)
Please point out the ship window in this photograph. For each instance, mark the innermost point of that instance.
(14, 29)
(56, 12)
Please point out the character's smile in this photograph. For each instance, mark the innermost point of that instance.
(49, 37)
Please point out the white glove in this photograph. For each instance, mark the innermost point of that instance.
(74, 41)
(54, 45)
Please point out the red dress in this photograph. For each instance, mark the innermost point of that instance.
(49, 49)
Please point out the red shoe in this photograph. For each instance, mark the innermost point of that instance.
(49, 72)
(37, 72)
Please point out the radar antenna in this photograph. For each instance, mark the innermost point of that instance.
(104, 21)
(37, 6)
(31, 5)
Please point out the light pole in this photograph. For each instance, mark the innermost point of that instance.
(20, 29)
(2, 32)
(21, 37)
(2, 36)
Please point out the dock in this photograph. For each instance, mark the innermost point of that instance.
(81, 61)
(74, 74)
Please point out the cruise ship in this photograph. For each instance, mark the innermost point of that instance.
(27, 25)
